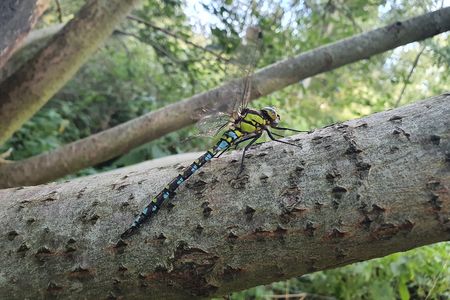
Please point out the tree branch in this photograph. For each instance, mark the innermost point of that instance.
(169, 33)
(37, 38)
(30, 87)
(353, 191)
(120, 139)
(16, 20)
(59, 11)
(406, 81)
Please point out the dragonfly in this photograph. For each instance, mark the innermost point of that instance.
(244, 125)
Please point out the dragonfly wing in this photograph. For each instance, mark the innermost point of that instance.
(247, 57)
(212, 124)
(208, 127)
(242, 66)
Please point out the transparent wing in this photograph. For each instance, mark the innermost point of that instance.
(247, 56)
(212, 124)
(208, 127)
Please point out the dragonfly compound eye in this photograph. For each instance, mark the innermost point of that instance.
(271, 113)
(276, 121)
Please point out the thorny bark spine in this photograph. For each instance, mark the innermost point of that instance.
(357, 190)
(120, 139)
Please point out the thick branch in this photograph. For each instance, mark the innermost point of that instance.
(16, 20)
(35, 41)
(29, 88)
(362, 189)
(120, 139)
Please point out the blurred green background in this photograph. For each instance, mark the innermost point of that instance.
(141, 68)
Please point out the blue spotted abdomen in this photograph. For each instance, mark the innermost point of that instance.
(227, 139)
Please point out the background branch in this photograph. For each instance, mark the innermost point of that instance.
(17, 18)
(30, 87)
(169, 33)
(406, 81)
(59, 11)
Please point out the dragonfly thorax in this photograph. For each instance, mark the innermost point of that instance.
(252, 121)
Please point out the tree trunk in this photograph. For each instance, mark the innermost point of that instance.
(120, 139)
(16, 20)
(353, 191)
(29, 88)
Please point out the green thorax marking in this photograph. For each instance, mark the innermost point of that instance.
(251, 121)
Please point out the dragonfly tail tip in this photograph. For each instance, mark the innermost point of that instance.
(128, 232)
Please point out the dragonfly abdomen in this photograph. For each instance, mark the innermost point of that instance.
(225, 142)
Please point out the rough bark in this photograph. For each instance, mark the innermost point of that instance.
(353, 191)
(17, 18)
(29, 88)
(120, 139)
(31, 45)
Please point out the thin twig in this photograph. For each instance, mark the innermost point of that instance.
(5, 155)
(405, 82)
(324, 15)
(58, 9)
(436, 279)
(157, 47)
(349, 16)
(151, 43)
(169, 33)
(300, 296)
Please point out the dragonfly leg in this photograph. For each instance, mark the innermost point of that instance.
(244, 139)
(241, 167)
(220, 128)
(222, 152)
(278, 135)
(276, 140)
(235, 145)
(290, 129)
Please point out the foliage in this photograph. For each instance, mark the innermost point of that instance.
(141, 69)
(422, 273)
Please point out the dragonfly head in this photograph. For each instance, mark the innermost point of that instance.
(271, 115)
